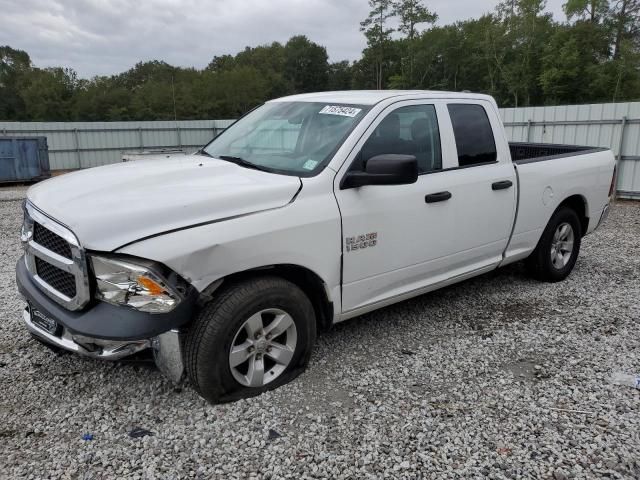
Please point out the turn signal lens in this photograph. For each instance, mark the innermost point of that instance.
(153, 287)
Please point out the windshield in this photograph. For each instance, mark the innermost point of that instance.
(294, 138)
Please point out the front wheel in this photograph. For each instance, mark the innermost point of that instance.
(558, 248)
(253, 336)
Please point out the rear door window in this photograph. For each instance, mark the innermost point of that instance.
(474, 137)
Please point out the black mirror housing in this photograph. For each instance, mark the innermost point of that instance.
(387, 169)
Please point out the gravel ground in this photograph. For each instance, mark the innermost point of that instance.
(499, 376)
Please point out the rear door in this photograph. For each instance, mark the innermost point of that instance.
(483, 185)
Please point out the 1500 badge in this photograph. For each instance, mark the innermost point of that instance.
(360, 242)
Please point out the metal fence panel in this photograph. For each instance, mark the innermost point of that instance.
(89, 144)
(612, 125)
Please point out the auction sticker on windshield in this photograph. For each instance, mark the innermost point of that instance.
(310, 164)
(338, 110)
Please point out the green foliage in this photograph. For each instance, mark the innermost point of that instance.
(571, 63)
(375, 25)
(518, 54)
(375, 28)
(624, 19)
(14, 65)
(340, 76)
(591, 10)
(412, 13)
(526, 34)
(49, 93)
(306, 65)
(233, 92)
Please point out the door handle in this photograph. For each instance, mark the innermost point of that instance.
(501, 185)
(437, 197)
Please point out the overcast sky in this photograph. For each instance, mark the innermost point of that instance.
(103, 37)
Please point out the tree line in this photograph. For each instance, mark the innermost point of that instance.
(518, 53)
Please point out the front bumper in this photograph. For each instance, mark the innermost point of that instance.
(167, 351)
(86, 346)
(107, 331)
(102, 320)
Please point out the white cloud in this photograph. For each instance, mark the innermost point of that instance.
(101, 37)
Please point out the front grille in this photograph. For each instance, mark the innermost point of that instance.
(45, 237)
(56, 260)
(60, 280)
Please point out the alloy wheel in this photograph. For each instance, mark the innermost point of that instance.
(263, 347)
(562, 246)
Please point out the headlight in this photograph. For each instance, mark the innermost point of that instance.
(121, 282)
(27, 225)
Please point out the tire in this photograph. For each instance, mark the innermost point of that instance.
(231, 319)
(551, 244)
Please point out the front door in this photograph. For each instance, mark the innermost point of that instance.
(400, 239)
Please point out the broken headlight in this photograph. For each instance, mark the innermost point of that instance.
(122, 282)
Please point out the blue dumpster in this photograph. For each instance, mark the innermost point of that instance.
(23, 159)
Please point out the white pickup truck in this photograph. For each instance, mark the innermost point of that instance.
(309, 210)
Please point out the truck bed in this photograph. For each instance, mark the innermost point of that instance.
(522, 152)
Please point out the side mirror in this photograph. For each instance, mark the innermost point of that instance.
(387, 169)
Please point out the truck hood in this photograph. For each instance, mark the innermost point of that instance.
(108, 207)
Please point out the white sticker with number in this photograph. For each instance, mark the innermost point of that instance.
(310, 164)
(338, 110)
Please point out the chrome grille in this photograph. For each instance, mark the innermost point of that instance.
(60, 280)
(55, 259)
(45, 237)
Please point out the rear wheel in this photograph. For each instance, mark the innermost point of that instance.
(252, 337)
(558, 248)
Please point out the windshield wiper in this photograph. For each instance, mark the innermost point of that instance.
(237, 160)
(242, 162)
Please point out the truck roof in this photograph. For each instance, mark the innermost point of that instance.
(371, 97)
